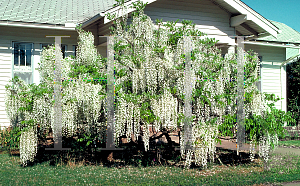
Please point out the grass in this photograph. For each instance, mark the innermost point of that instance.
(283, 169)
(289, 143)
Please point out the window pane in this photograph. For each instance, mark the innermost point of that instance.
(22, 55)
(63, 50)
(28, 55)
(74, 48)
(22, 61)
(16, 54)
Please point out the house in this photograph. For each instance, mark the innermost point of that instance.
(276, 53)
(23, 28)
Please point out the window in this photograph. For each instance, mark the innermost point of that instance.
(74, 49)
(22, 54)
(22, 61)
(64, 49)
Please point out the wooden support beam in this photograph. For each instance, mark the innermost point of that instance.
(238, 33)
(247, 27)
(237, 20)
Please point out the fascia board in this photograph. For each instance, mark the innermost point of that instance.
(118, 8)
(270, 44)
(32, 25)
(92, 20)
(253, 16)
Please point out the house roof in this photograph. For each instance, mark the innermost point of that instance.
(287, 34)
(58, 12)
(245, 20)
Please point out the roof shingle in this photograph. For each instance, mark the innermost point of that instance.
(287, 34)
(52, 11)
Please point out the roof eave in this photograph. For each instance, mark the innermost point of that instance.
(282, 45)
(291, 60)
(92, 20)
(34, 25)
(117, 9)
(251, 15)
(277, 42)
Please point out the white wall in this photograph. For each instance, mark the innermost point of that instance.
(5, 76)
(208, 17)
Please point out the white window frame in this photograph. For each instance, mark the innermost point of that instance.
(20, 68)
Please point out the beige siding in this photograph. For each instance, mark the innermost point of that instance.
(208, 17)
(5, 76)
(273, 76)
(35, 36)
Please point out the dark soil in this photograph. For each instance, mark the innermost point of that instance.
(132, 154)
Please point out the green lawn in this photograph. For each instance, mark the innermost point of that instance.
(11, 173)
(290, 143)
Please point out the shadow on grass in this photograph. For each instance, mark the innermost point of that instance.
(159, 154)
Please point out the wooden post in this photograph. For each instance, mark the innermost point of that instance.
(240, 93)
(188, 93)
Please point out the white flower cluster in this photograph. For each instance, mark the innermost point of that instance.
(12, 103)
(47, 65)
(86, 53)
(138, 80)
(28, 145)
(146, 136)
(204, 143)
(189, 158)
(166, 109)
(252, 150)
(127, 116)
(41, 109)
(88, 105)
(265, 145)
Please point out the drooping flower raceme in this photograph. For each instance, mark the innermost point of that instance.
(28, 145)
